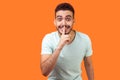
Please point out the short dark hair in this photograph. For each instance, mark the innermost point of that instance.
(64, 6)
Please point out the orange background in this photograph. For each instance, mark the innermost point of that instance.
(23, 24)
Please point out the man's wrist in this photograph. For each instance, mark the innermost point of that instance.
(59, 48)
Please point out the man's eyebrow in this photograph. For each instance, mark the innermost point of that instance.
(68, 16)
(58, 16)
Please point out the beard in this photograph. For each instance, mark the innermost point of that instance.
(66, 26)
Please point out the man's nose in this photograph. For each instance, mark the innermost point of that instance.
(63, 22)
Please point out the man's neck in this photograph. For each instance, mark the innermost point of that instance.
(73, 34)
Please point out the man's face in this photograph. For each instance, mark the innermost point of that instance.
(64, 19)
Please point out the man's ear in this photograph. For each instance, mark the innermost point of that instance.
(73, 21)
(54, 22)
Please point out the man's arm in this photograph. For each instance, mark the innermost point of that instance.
(89, 67)
(48, 61)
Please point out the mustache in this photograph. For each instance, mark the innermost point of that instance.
(66, 26)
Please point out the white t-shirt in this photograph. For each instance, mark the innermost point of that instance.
(68, 66)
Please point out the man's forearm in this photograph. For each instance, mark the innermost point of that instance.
(90, 72)
(49, 64)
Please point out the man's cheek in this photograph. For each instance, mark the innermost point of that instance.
(70, 24)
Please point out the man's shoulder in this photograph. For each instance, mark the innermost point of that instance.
(51, 34)
(82, 35)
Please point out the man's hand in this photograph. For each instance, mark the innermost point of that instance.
(65, 39)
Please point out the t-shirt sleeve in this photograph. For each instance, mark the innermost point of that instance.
(46, 45)
(89, 50)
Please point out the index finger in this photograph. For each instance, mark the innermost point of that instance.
(63, 32)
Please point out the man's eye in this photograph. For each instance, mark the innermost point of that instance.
(68, 19)
(59, 19)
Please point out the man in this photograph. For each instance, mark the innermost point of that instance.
(64, 50)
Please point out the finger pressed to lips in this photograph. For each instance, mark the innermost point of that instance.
(63, 31)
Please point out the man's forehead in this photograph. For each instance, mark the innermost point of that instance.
(64, 13)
